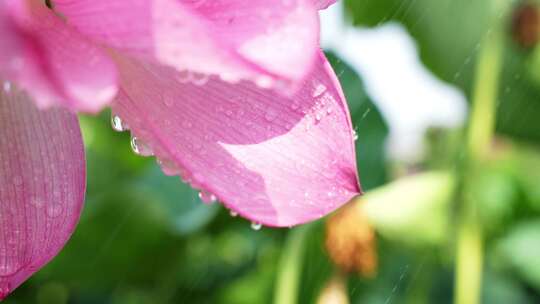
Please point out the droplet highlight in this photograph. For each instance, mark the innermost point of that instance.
(140, 148)
(207, 197)
(256, 226)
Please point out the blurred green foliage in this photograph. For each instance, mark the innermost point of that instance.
(448, 33)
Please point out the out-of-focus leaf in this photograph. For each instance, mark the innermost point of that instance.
(368, 122)
(499, 288)
(290, 267)
(413, 209)
(317, 269)
(520, 250)
(496, 193)
(448, 33)
(182, 204)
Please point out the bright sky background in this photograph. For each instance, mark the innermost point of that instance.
(410, 97)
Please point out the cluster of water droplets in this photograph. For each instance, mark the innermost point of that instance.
(169, 167)
(195, 78)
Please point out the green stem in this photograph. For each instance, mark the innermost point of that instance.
(290, 267)
(470, 247)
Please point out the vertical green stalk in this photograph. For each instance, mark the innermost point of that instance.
(470, 247)
(290, 267)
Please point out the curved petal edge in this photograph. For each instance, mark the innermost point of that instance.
(42, 185)
(52, 61)
(276, 160)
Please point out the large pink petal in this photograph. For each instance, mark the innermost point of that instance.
(276, 160)
(237, 39)
(42, 184)
(51, 60)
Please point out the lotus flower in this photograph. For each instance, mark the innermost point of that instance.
(233, 96)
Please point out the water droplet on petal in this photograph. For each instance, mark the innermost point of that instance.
(168, 100)
(264, 82)
(355, 135)
(17, 180)
(54, 210)
(233, 213)
(36, 202)
(319, 90)
(207, 197)
(271, 114)
(227, 77)
(256, 226)
(140, 148)
(168, 167)
(117, 124)
(183, 76)
(199, 79)
(7, 86)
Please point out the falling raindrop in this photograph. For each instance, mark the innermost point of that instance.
(207, 197)
(140, 148)
(256, 226)
(117, 124)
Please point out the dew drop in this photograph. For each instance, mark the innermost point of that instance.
(7, 86)
(36, 202)
(186, 124)
(17, 180)
(271, 114)
(54, 210)
(207, 197)
(318, 117)
(140, 148)
(319, 90)
(183, 76)
(264, 82)
(355, 135)
(168, 100)
(256, 226)
(117, 124)
(228, 77)
(233, 213)
(168, 167)
(199, 79)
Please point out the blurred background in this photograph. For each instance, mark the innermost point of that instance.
(445, 98)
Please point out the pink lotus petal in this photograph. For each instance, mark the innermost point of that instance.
(322, 4)
(256, 39)
(276, 160)
(51, 60)
(42, 183)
